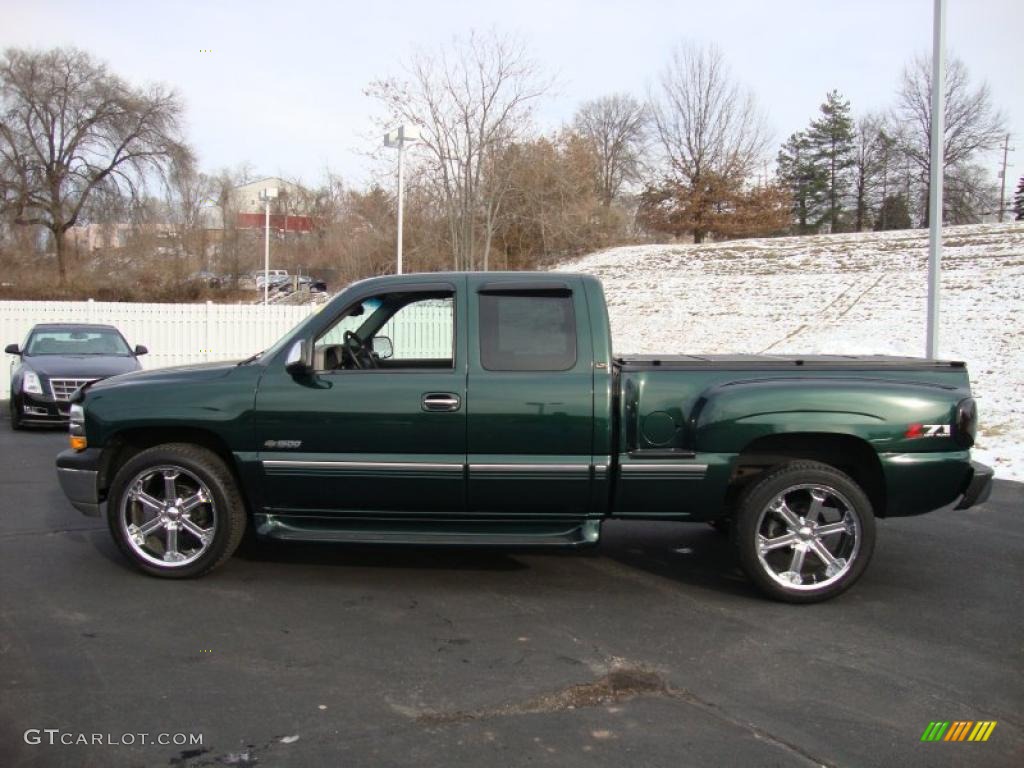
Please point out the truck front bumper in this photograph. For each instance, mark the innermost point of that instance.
(78, 473)
(979, 487)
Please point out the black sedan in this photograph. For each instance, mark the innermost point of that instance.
(56, 360)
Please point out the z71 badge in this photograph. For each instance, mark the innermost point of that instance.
(929, 430)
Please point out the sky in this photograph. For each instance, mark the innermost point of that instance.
(280, 86)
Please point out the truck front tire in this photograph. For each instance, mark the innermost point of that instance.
(175, 511)
(804, 532)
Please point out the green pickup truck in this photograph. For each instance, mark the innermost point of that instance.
(489, 409)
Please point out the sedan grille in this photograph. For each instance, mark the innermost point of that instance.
(63, 389)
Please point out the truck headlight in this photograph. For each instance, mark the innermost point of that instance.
(76, 427)
(30, 383)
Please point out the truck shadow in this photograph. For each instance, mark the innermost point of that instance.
(689, 555)
(379, 556)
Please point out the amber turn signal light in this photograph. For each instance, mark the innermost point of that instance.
(78, 442)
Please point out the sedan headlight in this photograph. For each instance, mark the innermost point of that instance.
(30, 383)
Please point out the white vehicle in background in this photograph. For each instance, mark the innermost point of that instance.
(280, 280)
(274, 277)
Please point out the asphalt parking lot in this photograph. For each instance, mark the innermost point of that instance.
(651, 651)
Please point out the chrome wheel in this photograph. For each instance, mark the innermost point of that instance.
(168, 516)
(808, 537)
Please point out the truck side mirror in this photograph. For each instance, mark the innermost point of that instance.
(300, 358)
(141, 350)
(383, 348)
(12, 349)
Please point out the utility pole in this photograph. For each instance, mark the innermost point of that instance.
(404, 134)
(937, 166)
(1002, 178)
(907, 180)
(266, 252)
(401, 203)
(267, 195)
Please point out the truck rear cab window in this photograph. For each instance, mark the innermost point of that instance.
(533, 331)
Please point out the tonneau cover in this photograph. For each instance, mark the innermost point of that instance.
(749, 362)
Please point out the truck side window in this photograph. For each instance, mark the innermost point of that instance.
(423, 333)
(391, 331)
(527, 332)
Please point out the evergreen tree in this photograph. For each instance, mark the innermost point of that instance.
(1018, 201)
(831, 140)
(805, 181)
(893, 214)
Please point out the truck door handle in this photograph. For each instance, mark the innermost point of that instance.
(441, 401)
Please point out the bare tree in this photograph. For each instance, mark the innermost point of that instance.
(554, 204)
(470, 100)
(711, 131)
(189, 197)
(889, 158)
(972, 123)
(968, 194)
(68, 127)
(617, 125)
(869, 160)
(223, 185)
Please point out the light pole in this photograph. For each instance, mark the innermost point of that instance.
(1002, 177)
(935, 184)
(398, 138)
(268, 194)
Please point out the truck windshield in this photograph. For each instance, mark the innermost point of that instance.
(278, 345)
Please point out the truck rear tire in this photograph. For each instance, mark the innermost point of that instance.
(175, 511)
(804, 532)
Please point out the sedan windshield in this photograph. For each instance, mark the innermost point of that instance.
(77, 342)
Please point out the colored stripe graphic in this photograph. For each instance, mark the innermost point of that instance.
(982, 730)
(958, 730)
(935, 730)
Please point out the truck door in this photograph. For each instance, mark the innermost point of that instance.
(531, 403)
(380, 423)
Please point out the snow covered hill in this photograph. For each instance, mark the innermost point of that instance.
(845, 294)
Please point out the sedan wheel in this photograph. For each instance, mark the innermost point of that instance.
(805, 532)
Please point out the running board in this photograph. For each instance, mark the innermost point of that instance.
(434, 533)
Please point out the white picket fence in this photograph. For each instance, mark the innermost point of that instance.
(180, 334)
(424, 330)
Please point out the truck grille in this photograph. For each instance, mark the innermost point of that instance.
(63, 389)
